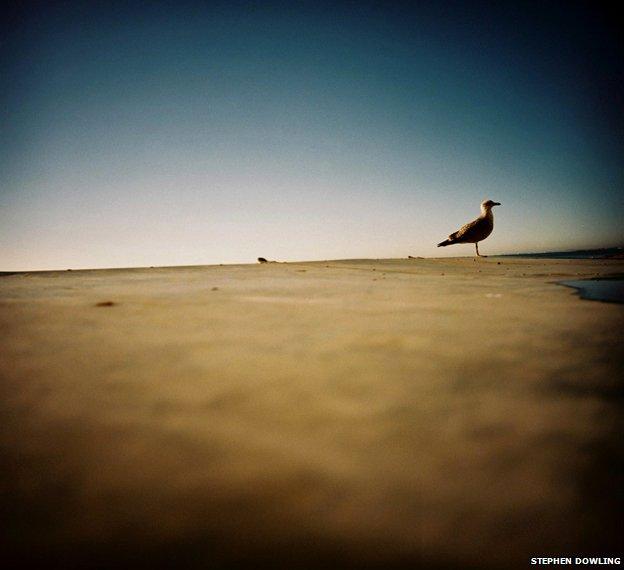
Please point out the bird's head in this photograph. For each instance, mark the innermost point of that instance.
(487, 205)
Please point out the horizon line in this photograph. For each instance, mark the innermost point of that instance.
(256, 262)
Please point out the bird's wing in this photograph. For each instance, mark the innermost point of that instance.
(466, 230)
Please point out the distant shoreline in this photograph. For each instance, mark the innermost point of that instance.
(600, 253)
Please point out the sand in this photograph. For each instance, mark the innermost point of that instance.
(366, 413)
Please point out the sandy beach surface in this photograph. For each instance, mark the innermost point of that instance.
(429, 413)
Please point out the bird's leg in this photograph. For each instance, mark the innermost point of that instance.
(477, 248)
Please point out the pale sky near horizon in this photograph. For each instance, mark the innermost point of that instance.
(178, 133)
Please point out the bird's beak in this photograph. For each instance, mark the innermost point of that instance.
(496, 204)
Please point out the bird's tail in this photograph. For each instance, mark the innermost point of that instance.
(445, 243)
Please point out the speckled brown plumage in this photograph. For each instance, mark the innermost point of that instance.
(475, 231)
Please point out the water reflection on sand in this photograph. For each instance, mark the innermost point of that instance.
(607, 290)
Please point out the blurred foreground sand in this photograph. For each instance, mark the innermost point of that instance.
(391, 413)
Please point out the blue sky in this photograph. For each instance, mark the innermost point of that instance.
(188, 133)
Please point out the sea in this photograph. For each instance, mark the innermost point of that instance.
(606, 289)
(602, 253)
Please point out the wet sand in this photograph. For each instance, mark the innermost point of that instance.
(366, 413)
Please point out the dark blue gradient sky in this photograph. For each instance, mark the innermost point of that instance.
(186, 133)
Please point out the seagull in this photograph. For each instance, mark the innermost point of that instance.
(475, 231)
